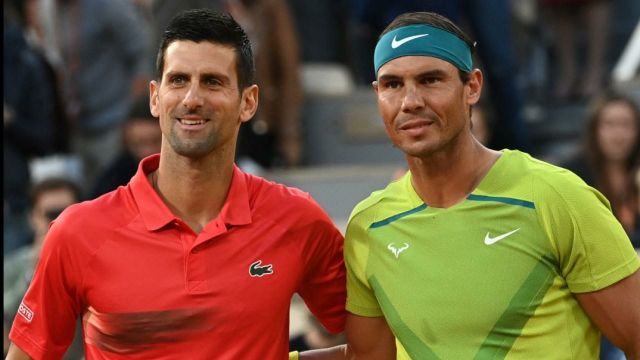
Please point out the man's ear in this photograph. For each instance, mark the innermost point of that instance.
(153, 98)
(249, 103)
(474, 86)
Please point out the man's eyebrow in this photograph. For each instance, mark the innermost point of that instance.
(223, 77)
(175, 73)
(429, 73)
(389, 77)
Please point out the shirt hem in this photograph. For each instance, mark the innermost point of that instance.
(619, 273)
(363, 311)
(29, 346)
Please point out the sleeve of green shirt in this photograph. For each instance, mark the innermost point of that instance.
(360, 297)
(592, 248)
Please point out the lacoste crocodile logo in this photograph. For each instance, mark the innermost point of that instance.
(396, 251)
(256, 270)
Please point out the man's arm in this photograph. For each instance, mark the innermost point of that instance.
(370, 338)
(15, 353)
(616, 311)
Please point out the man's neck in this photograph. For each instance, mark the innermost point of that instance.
(445, 178)
(194, 190)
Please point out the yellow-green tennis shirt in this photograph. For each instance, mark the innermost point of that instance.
(491, 277)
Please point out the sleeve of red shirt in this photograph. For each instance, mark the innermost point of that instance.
(323, 287)
(45, 325)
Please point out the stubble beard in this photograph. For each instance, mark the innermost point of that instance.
(192, 148)
(425, 148)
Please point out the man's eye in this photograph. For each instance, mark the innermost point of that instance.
(212, 82)
(178, 80)
(392, 84)
(430, 80)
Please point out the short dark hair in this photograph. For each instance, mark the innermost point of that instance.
(53, 184)
(436, 20)
(208, 25)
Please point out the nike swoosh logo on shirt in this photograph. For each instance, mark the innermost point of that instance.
(395, 43)
(488, 240)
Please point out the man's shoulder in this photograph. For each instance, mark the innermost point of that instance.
(104, 211)
(549, 187)
(393, 193)
(268, 194)
(82, 228)
(539, 175)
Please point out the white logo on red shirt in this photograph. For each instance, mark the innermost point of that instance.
(25, 312)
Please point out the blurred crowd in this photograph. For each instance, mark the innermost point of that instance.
(76, 73)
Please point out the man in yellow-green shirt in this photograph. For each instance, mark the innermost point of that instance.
(475, 253)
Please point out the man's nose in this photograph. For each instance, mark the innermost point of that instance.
(193, 98)
(412, 99)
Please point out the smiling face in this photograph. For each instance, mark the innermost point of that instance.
(424, 104)
(198, 101)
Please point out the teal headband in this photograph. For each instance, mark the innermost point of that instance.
(422, 40)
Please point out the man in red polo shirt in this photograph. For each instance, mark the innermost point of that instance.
(193, 259)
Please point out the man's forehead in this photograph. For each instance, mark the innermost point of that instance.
(200, 59)
(204, 53)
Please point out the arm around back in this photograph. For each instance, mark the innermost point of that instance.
(368, 338)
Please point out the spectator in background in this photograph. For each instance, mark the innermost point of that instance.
(97, 40)
(48, 198)
(141, 137)
(567, 19)
(28, 112)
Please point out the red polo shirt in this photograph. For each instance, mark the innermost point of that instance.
(148, 287)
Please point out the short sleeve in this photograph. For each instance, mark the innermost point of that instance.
(323, 287)
(45, 324)
(361, 299)
(592, 248)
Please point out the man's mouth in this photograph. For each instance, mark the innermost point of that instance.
(415, 124)
(191, 122)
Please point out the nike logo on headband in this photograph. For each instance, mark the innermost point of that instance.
(396, 43)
